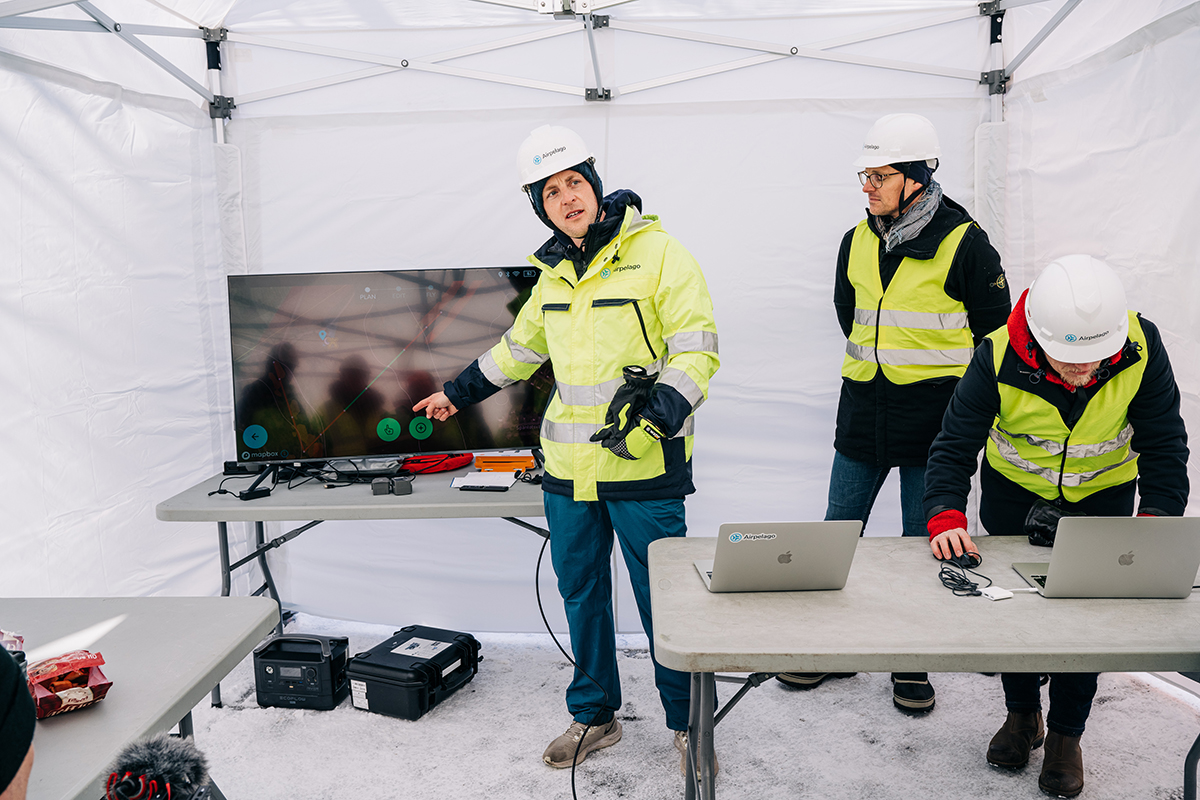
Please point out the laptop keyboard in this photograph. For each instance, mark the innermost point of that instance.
(1040, 580)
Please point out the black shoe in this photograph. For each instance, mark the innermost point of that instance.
(809, 680)
(911, 692)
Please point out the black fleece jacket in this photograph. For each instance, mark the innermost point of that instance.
(892, 425)
(1159, 436)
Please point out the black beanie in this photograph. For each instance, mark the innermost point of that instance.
(916, 171)
(17, 717)
(585, 169)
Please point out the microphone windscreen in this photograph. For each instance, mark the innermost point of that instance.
(146, 768)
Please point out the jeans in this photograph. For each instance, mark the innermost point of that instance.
(581, 540)
(853, 486)
(1071, 696)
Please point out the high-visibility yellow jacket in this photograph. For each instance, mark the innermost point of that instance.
(913, 330)
(641, 301)
(1031, 445)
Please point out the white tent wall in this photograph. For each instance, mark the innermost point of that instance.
(117, 375)
(343, 178)
(1097, 158)
(112, 369)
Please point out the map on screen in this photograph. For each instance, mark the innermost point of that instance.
(329, 365)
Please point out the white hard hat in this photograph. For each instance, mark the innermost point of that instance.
(548, 150)
(898, 138)
(1076, 310)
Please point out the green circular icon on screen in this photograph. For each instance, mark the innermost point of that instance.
(421, 428)
(388, 429)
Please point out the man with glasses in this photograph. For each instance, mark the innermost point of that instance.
(917, 286)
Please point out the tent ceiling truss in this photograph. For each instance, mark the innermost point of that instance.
(570, 12)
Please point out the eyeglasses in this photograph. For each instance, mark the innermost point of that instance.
(876, 178)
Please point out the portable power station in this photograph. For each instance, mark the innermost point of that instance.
(302, 671)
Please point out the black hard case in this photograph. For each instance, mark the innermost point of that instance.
(404, 686)
(319, 664)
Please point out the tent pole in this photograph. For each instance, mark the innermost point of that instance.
(997, 58)
(142, 48)
(1036, 41)
(214, 82)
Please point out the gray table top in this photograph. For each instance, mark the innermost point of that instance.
(431, 498)
(162, 659)
(894, 615)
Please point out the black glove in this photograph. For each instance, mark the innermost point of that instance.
(622, 416)
(1041, 524)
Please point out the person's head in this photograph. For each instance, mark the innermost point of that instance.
(558, 173)
(1076, 312)
(17, 716)
(898, 159)
(281, 362)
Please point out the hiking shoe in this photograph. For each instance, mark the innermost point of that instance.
(1020, 733)
(911, 692)
(681, 742)
(809, 680)
(561, 752)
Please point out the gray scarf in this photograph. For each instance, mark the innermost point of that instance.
(914, 220)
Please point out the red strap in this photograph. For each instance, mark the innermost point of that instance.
(948, 520)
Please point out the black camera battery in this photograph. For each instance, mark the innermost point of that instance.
(413, 671)
(302, 671)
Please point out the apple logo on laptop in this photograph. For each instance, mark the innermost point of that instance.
(786, 558)
(1126, 559)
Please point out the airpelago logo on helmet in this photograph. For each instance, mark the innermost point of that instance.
(869, 146)
(544, 156)
(1099, 335)
(1070, 337)
(751, 537)
(604, 273)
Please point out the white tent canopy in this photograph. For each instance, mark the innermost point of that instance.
(380, 135)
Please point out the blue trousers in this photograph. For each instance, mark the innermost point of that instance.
(853, 486)
(1071, 696)
(581, 540)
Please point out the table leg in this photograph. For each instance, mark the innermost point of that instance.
(223, 549)
(259, 540)
(186, 731)
(1189, 771)
(700, 738)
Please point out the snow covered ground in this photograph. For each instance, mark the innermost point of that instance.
(841, 740)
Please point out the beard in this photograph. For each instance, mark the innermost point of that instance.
(1077, 379)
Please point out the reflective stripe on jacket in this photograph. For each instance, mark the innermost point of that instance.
(913, 329)
(643, 300)
(1031, 445)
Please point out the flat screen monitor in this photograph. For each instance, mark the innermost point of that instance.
(329, 365)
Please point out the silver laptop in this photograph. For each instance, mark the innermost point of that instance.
(1119, 557)
(781, 556)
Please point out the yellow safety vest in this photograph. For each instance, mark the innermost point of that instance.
(914, 331)
(1031, 445)
(643, 300)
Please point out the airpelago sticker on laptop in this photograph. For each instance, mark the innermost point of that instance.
(736, 537)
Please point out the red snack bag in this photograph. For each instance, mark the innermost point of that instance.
(67, 682)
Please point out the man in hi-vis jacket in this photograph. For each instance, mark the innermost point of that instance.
(622, 312)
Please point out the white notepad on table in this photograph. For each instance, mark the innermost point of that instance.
(484, 481)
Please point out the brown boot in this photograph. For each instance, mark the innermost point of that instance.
(1019, 734)
(1062, 769)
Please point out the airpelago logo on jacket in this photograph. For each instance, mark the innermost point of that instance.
(606, 272)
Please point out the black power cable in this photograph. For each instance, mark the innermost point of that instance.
(538, 591)
(954, 577)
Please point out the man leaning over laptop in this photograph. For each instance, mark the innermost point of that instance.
(1077, 405)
